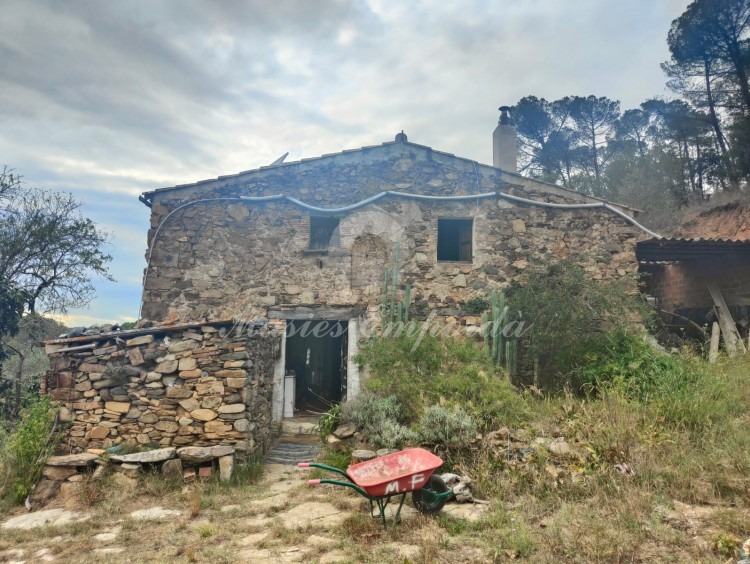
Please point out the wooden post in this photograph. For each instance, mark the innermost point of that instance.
(732, 339)
(713, 351)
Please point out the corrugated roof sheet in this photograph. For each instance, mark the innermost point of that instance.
(681, 249)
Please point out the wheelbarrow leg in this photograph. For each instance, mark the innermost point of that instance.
(397, 517)
(382, 504)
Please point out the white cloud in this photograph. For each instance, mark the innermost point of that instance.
(111, 99)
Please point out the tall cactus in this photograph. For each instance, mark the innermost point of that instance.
(500, 349)
(393, 310)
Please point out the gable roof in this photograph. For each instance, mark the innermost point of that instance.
(146, 197)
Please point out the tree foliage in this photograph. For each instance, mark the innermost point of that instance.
(49, 250)
(665, 153)
(49, 253)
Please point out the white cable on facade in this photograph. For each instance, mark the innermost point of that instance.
(375, 198)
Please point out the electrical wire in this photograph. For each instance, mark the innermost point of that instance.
(372, 199)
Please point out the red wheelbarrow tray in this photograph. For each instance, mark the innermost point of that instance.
(398, 472)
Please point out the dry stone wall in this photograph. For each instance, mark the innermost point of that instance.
(200, 386)
(209, 263)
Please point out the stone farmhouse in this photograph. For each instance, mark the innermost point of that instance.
(311, 240)
(297, 242)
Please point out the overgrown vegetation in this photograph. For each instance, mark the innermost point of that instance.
(423, 371)
(646, 428)
(24, 450)
(569, 314)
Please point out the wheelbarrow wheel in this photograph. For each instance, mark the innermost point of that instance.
(429, 498)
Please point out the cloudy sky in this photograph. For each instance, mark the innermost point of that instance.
(110, 99)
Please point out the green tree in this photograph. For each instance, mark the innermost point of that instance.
(594, 120)
(49, 252)
(697, 71)
(545, 138)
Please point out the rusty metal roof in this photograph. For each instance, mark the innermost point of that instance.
(680, 249)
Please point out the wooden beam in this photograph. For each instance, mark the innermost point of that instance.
(713, 351)
(303, 313)
(732, 339)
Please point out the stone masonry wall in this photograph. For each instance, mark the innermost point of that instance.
(199, 386)
(218, 261)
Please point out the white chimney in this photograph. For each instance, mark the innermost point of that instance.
(504, 149)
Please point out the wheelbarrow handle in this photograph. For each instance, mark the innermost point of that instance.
(355, 487)
(324, 467)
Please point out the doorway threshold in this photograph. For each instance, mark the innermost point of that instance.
(300, 425)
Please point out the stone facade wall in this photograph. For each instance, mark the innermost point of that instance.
(223, 259)
(201, 386)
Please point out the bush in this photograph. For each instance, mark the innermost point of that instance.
(24, 451)
(452, 428)
(453, 372)
(379, 419)
(684, 391)
(568, 312)
(368, 411)
(393, 435)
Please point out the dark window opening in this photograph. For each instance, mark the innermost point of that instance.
(454, 240)
(324, 232)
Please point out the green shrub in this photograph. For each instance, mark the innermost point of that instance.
(368, 411)
(393, 435)
(329, 420)
(379, 419)
(684, 391)
(566, 313)
(425, 371)
(24, 451)
(449, 427)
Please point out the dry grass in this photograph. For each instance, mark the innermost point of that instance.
(688, 499)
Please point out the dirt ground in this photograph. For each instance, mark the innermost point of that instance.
(283, 519)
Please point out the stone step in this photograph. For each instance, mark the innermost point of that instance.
(300, 426)
(290, 450)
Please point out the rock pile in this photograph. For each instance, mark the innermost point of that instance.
(162, 387)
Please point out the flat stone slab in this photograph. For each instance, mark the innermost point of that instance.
(198, 455)
(299, 427)
(285, 486)
(46, 518)
(468, 511)
(319, 541)
(110, 550)
(272, 502)
(147, 457)
(154, 513)
(255, 538)
(313, 513)
(83, 459)
(108, 536)
(255, 555)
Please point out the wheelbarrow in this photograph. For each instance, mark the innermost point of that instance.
(393, 475)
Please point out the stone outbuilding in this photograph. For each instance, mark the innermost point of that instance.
(311, 241)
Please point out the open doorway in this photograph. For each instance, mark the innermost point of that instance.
(316, 353)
